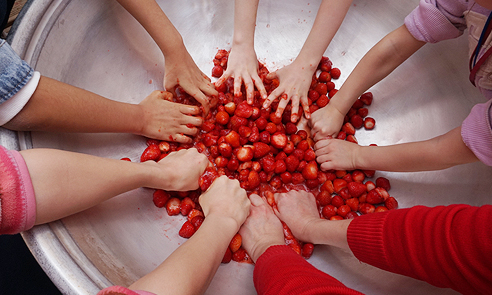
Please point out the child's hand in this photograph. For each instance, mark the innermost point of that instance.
(295, 80)
(261, 229)
(299, 211)
(177, 174)
(326, 122)
(242, 65)
(166, 120)
(226, 198)
(181, 70)
(336, 154)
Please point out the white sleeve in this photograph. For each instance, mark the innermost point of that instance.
(16, 103)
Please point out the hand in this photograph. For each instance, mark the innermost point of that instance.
(181, 70)
(295, 80)
(326, 122)
(299, 211)
(336, 154)
(261, 229)
(226, 198)
(242, 64)
(166, 120)
(177, 174)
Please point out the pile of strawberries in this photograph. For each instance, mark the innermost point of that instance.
(268, 154)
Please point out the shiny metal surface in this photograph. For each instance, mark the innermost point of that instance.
(98, 46)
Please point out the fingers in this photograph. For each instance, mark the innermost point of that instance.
(260, 87)
(237, 85)
(250, 89)
(305, 106)
(275, 93)
(256, 200)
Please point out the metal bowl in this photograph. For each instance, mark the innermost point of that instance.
(98, 46)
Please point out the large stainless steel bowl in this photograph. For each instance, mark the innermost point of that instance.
(98, 46)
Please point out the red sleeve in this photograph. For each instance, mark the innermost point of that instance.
(280, 270)
(446, 246)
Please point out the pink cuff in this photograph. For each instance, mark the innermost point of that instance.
(18, 202)
(476, 132)
(118, 290)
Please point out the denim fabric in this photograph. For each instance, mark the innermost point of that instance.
(14, 72)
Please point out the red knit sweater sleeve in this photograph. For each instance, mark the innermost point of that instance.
(446, 246)
(280, 270)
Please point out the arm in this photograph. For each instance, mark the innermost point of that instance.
(76, 182)
(401, 241)
(378, 63)
(278, 269)
(56, 106)
(438, 153)
(190, 269)
(179, 65)
(242, 63)
(295, 79)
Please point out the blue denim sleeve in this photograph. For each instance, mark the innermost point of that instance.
(14, 72)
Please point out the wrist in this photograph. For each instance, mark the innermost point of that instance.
(262, 247)
(223, 223)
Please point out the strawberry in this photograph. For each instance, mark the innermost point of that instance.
(380, 209)
(235, 122)
(339, 184)
(307, 250)
(358, 104)
(382, 192)
(323, 198)
(260, 149)
(227, 256)
(309, 155)
(286, 177)
(222, 117)
(321, 88)
(233, 164)
(343, 210)
(348, 128)
(324, 77)
(353, 203)
(280, 167)
(313, 95)
(290, 128)
(194, 213)
(352, 138)
(225, 149)
(373, 197)
(253, 180)
(173, 206)
(232, 138)
(369, 123)
(310, 171)
(278, 140)
(297, 178)
(383, 182)
(357, 121)
(363, 112)
(329, 211)
(268, 164)
(126, 159)
(187, 230)
(207, 178)
(391, 203)
(230, 107)
(335, 73)
(160, 198)
(152, 152)
(235, 243)
(292, 162)
(186, 206)
(332, 93)
(356, 189)
(366, 98)
(240, 255)
(351, 215)
(328, 186)
(322, 101)
(337, 201)
(243, 110)
(366, 208)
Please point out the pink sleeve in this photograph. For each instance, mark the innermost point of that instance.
(446, 246)
(18, 203)
(280, 271)
(433, 21)
(118, 290)
(476, 132)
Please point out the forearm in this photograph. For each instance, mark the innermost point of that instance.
(66, 183)
(328, 232)
(59, 107)
(328, 19)
(150, 15)
(195, 261)
(438, 153)
(244, 22)
(378, 63)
